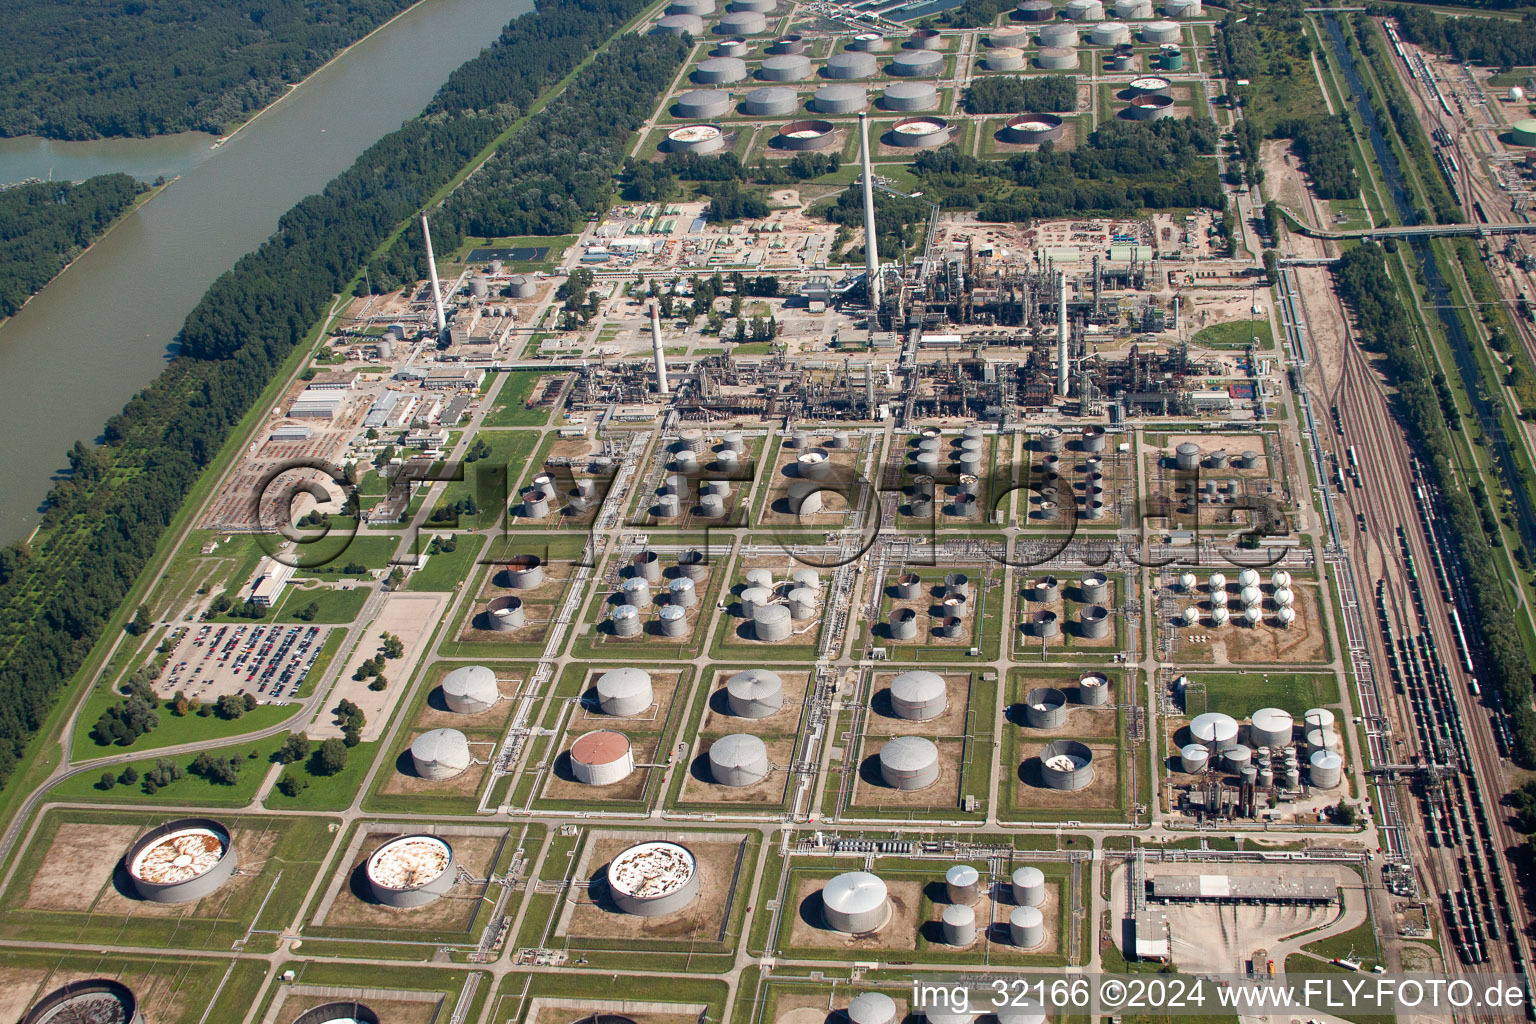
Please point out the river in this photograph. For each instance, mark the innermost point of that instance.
(105, 327)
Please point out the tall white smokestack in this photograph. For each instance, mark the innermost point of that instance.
(661, 356)
(1061, 336)
(437, 291)
(871, 256)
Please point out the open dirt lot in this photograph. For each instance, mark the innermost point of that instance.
(411, 617)
(593, 914)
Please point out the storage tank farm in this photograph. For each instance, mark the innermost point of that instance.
(855, 903)
(470, 690)
(87, 1001)
(181, 860)
(653, 879)
(410, 871)
(754, 693)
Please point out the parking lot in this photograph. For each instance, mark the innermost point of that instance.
(268, 661)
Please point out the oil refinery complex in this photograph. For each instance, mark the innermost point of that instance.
(729, 619)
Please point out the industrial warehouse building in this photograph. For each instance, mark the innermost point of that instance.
(1243, 890)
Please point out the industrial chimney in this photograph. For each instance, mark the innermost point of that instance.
(661, 357)
(871, 256)
(437, 291)
(1061, 336)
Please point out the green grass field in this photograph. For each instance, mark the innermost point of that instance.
(1235, 335)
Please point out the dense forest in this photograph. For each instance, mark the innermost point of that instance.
(73, 69)
(974, 13)
(553, 187)
(1323, 145)
(1015, 94)
(1384, 326)
(1500, 42)
(106, 517)
(1119, 169)
(46, 224)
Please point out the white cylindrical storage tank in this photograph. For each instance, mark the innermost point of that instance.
(771, 623)
(470, 690)
(1160, 32)
(1026, 927)
(696, 138)
(753, 598)
(1034, 10)
(1324, 738)
(1093, 690)
(851, 64)
(1219, 616)
(741, 23)
(653, 879)
(1133, 8)
(1217, 731)
(626, 620)
(1094, 621)
(909, 763)
(805, 498)
(711, 506)
(520, 286)
(680, 24)
(1194, 758)
(919, 695)
(760, 578)
(523, 572)
(440, 754)
(958, 923)
(601, 758)
(647, 566)
(867, 41)
(759, 6)
(1235, 758)
(792, 43)
(1326, 769)
(810, 579)
(535, 503)
(1093, 588)
(739, 759)
(1067, 765)
(1318, 718)
(1182, 8)
(1186, 455)
(801, 603)
(813, 465)
(1109, 33)
(962, 884)
(872, 1008)
(685, 461)
(840, 99)
(1064, 36)
(855, 903)
(720, 70)
(1056, 58)
(505, 613)
(754, 693)
(785, 67)
(636, 591)
(903, 624)
(1021, 1011)
(1045, 707)
(181, 860)
(673, 621)
(926, 39)
(682, 592)
(624, 692)
(1028, 886)
(916, 64)
(694, 564)
(697, 7)
(1083, 10)
(1271, 727)
(910, 96)
(410, 871)
(1005, 58)
(702, 103)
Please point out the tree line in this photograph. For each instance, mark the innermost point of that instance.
(73, 69)
(1384, 325)
(1499, 42)
(45, 225)
(1017, 94)
(1119, 169)
(58, 593)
